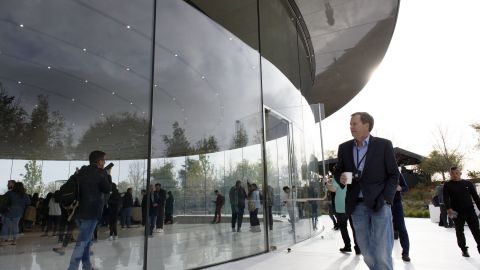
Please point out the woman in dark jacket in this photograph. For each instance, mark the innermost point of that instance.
(18, 200)
(169, 208)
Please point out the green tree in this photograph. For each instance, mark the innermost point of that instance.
(12, 125)
(44, 132)
(207, 145)
(32, 179)
(50, 187)
(240, 138)
(476, 127)
(177, 144)
(437, 162)
(121, 136)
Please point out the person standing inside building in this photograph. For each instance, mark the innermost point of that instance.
(127, 207)
(237, 197)
(162, 198)
(458, 195)
(114, 202)
(219, 202)
(93, 185)
(169, 208)
(18, 200)
(399, 219)
(367, 165)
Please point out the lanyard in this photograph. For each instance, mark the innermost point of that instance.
(360, 161)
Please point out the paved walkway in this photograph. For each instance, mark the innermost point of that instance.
(432, 247)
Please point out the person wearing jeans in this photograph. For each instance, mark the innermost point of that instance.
(93, 185)
(368, 167)
(18, 200)
(127, 209)
(237, 196)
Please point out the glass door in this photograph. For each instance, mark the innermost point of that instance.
(280, 173)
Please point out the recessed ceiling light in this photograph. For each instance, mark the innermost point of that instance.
(230, 38)
(155, 85)
(19, 82)
(131, 103)
(73, 100)
(86, 81)
(21, 25)
(84, 49)
(49, 67)
(128, 26)
(113, 93)
(127, 69)
(176, 55)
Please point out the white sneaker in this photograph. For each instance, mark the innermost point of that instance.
(110, 238)
(159, 230)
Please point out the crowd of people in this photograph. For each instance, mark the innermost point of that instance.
(366, 192)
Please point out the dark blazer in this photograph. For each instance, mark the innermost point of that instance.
(379, 178)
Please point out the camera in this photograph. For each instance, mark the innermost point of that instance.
(109, 166)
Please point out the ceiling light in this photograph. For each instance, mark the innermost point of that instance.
(230, 38)
(84, 49)
(73, 100)
(173, 99)
(127, 69)
(49, 67)
(19, 82)
(131, 103)
(86, 81)
(21, 25)
(113, 93)
(176, 55)
(128, 26)
(155, 85)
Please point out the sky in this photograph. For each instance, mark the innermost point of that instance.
(428, 80)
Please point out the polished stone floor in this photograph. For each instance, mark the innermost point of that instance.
(184, 246)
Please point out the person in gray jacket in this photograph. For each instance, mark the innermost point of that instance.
(237, 196)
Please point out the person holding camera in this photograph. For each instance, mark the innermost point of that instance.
(458, 195)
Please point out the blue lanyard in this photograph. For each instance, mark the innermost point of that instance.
(360, 161)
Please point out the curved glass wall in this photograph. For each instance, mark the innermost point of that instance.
(223, 85)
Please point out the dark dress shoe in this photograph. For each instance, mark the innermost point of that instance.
(405, 258)
(465, 253)
(346, 249)
(357, 251)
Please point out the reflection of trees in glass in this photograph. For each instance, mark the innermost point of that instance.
(165, 175)
(177, 144)
(135, 176)
(12, 124)
(240, 138)
(44, 133)
(122, 186)
(207, 145)
(41, 137)
(32, 180)
(121, 136)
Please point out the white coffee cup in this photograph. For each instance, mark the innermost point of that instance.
(349, 176)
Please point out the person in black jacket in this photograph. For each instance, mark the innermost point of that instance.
(144, 207)
(93, 185)
(114, 203)
(127, 206)
(169, 208)
(458, 195)
(162, 197)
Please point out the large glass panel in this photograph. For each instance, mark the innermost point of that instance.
(75, 76)
(207, 110)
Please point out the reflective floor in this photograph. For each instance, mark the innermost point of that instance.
(180, 246)
(431, 247)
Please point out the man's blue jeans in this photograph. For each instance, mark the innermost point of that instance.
(126, 217)
(374, 232)
(82, 248)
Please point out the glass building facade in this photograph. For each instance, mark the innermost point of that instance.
(194, 95)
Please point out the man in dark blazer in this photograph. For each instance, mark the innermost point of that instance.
(370, 194)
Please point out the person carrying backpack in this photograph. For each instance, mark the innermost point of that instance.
(93, 185)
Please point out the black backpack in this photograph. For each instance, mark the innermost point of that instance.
(69, 193)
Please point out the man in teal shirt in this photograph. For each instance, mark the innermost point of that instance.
(342, 217)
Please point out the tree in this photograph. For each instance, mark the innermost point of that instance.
(473, 174)
(240, 138)
(12, 125)
(443, 157)
(121, 136)
(50, 187)
(165, 176)
(32, 180)
(122, 186)
(136, 173)
(476, 127)
(44, 133)
(207, 145)
(177, 144)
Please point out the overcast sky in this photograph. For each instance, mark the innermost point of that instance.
(428, 79)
